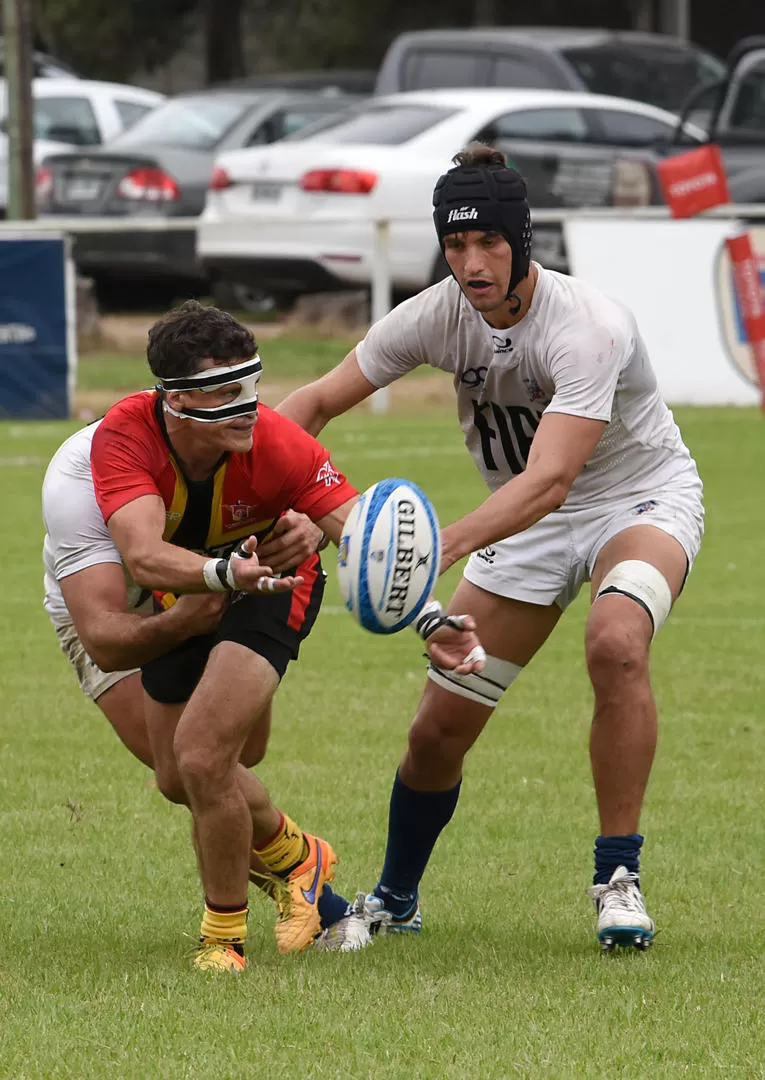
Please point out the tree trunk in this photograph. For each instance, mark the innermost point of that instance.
(224, 53)
(484, 13)
(643, 15)
(17, 36)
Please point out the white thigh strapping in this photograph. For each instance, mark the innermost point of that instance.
(485, 688)
(644, 584)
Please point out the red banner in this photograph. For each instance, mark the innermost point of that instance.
(694, 182)
(746, 281)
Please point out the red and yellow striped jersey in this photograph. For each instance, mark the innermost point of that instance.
(286, 469)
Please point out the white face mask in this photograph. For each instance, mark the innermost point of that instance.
(246, 401)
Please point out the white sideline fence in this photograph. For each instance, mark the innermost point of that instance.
(381, 285)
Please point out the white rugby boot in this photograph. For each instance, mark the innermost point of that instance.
(622, 917)
(382, 921)
(348, 934)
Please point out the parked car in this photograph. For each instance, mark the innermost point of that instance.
(161, 169)
(733, 111)
(297, 217)
(77, 112)
(43, 66)
(654, 68)
(340, 80)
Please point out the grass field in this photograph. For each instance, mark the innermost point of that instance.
(292, 356)
(99, 902)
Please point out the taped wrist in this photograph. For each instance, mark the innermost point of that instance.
(215, 573)
(219, 573)
(429, 619)
(432, 618)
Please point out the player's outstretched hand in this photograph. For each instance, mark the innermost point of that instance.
(457, 650)
(294, 538)
(250, 575)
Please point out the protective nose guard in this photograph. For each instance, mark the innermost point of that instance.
(246, 401)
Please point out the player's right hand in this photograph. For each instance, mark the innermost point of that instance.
(457, 649)
(250, 576)
(200, 613)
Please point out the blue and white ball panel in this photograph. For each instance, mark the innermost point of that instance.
(389, 556)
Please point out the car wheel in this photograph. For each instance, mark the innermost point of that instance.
(234, 296)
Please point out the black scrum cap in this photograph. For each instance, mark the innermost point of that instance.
(489, 198)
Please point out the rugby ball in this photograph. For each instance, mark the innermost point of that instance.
(389, 556)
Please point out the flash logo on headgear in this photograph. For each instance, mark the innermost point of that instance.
(464, 213)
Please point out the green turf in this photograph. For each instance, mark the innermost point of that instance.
(287, 356)
(99, 901)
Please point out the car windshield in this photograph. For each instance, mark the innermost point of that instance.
(748, 112)
(375, 125)
(657, 75)
(198, 123)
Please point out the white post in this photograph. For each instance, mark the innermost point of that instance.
(381, 297)
(643, 16)
(675, 18)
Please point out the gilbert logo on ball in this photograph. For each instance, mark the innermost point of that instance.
(389, 556)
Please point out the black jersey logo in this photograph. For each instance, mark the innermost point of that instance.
(509, 429)
(473, 377)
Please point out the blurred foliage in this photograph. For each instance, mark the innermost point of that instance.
(102, 39)
(348, 34)
(107, 40)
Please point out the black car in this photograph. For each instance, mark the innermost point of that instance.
(655, 68)
(161, 169)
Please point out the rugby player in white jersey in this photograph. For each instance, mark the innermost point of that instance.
(97, 612)
(107, 629)
(590, 482)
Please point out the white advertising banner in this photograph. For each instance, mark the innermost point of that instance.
(677, 278)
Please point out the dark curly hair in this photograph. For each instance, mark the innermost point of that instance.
(180, 340)
(478, 154)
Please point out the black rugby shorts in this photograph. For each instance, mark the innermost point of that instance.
(271, 626)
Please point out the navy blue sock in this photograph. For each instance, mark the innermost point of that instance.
(415, 821)
(613, 851)
(332, 907)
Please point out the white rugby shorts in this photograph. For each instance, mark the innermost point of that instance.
(93, 681)
(548, 562)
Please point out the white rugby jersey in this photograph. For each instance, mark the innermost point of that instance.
(576, 351)
(76, 535)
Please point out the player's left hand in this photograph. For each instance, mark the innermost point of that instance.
(293, 539)
(455, 650)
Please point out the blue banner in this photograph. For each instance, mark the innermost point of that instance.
(34, 361)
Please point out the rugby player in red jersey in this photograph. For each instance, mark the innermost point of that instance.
(100, 618)
(190, 478)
